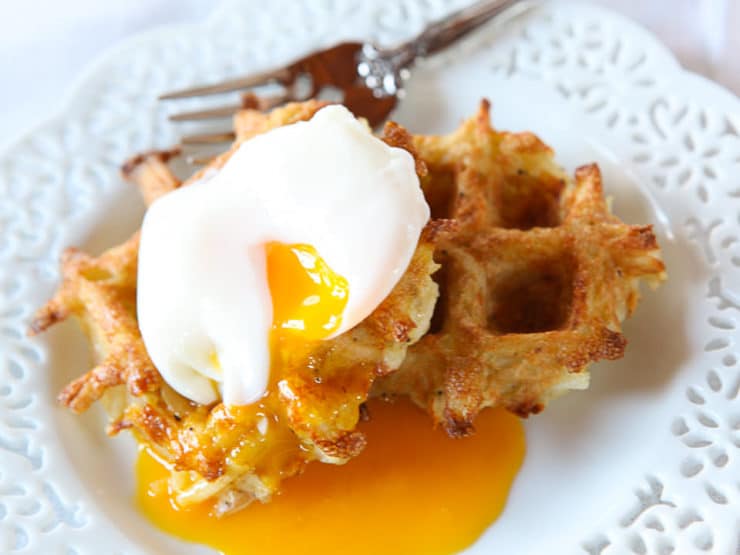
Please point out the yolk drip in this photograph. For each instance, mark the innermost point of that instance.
(413, 490)
(308, 298)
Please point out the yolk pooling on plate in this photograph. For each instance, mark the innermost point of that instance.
(413, 490)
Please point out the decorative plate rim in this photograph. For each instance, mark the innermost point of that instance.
(640, 535)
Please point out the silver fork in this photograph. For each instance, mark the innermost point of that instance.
(368, 79)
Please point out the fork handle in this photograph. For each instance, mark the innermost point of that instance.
(384, 70)
(447, 30)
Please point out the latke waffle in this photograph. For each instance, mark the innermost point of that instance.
(535, 276)
(534, 280)
(232, 455)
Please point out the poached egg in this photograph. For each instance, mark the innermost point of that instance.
(304, 231)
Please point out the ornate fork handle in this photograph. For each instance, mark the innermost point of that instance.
(367, 79)
(384, 70)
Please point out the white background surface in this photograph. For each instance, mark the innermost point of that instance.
(45, 44)
(663, 139)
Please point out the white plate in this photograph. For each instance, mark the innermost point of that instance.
(646, 461)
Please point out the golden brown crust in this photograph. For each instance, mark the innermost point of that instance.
(535, 278)
(132, 164)
(150, 170)
(312, 406)
(101, 293)
(248, 123)
(397, 136)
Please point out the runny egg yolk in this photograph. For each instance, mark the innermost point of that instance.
(346, 182)
(412, 490)
(308, 298)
